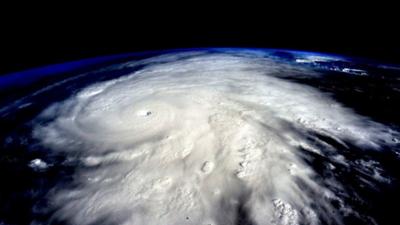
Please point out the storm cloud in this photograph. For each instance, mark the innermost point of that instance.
(207, 139)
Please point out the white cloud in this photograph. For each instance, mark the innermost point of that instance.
(189, 141)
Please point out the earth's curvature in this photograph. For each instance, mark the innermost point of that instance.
(204, 136)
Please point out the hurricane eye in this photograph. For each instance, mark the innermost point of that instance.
(143, 113)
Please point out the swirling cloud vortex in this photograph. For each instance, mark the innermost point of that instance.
(208, 139)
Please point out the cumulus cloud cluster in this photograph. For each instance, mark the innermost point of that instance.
(208, 139)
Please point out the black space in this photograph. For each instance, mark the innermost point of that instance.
(31, 38)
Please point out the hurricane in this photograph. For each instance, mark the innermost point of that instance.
(211, 139)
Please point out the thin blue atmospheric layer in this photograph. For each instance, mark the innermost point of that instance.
(26, 77)
(23, 78)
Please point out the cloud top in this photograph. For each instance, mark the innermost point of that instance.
(207, 139)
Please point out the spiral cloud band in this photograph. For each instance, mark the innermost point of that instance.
(206, 139)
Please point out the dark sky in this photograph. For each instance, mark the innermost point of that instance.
(45, 37)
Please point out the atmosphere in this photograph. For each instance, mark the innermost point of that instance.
(130, 118)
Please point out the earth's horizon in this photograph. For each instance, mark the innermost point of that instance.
(201, 136)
